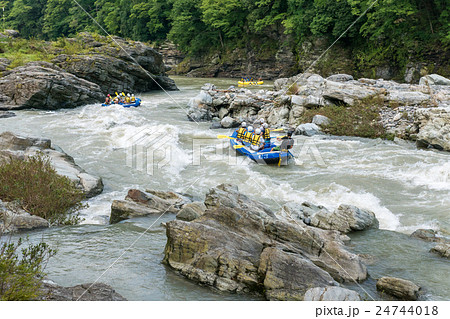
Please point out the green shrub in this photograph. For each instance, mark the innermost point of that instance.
(40, 190)
(21, 270)
(361, 119)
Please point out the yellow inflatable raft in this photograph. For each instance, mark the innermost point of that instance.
(250, 82)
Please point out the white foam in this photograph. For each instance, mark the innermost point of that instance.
(330, 197)
(434, 176)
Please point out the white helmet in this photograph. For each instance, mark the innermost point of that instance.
(265, 125)
(257, 131)
(132, 94)
(244, 124)
(128, 95)
(250, 128)
(261, 120)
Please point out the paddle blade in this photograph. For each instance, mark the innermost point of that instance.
(226, 136)
(238, 146)
(278, 130)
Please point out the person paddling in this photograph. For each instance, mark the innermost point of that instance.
(286, 143)
(108, 99)
(240, 132)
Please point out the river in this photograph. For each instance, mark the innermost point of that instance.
(407, 188)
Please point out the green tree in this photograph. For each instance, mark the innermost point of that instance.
(27, 17)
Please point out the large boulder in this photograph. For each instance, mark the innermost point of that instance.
(84, 292)
(308, 129)
(239, 245)
(42, 85)
(345, 218)
(138, 204)
(331, 293)
(434, 127)
(12, 145)
(117, 65)
(347, 92)
(13, 218)
(340, 78)
(434, 79)
(321, 120)
(399, 288)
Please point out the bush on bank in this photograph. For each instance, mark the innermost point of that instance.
(39, 190)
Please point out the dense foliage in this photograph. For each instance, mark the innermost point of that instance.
(40, 191)
(194, 24)
(392, 31)
(21, 270)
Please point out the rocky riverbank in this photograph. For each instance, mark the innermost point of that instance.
(416, 112)
(82, 71)
(240, 245)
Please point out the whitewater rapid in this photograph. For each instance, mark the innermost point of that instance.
(407, 188)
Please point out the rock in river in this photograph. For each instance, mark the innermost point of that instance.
(240, 245)
(399, 288)
(442, 249)
(42, 85)
(84, 292)
(138, 203)
(13, 218)
(22, 147)
(427, 235)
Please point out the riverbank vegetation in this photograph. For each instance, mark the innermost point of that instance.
(391, 31)
(22, 270)
(39, 190)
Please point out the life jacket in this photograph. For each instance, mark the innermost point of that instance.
(248, 136)
(127, 100)
(255, 139)
(240, 132)
(133, 99)
(266, 133)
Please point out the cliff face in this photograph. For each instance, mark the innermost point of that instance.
(282, 58)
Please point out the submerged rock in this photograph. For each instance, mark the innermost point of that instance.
(331, 293)
(22, 147)
(399, 288)
(239, 245)
(427, 235)
(5, 115)
(84, 292)
(42, 85)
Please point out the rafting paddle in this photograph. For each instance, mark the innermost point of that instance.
(226, 136)
(238, 146)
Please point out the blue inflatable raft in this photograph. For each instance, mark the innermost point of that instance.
(264, 156)
(135, 104)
